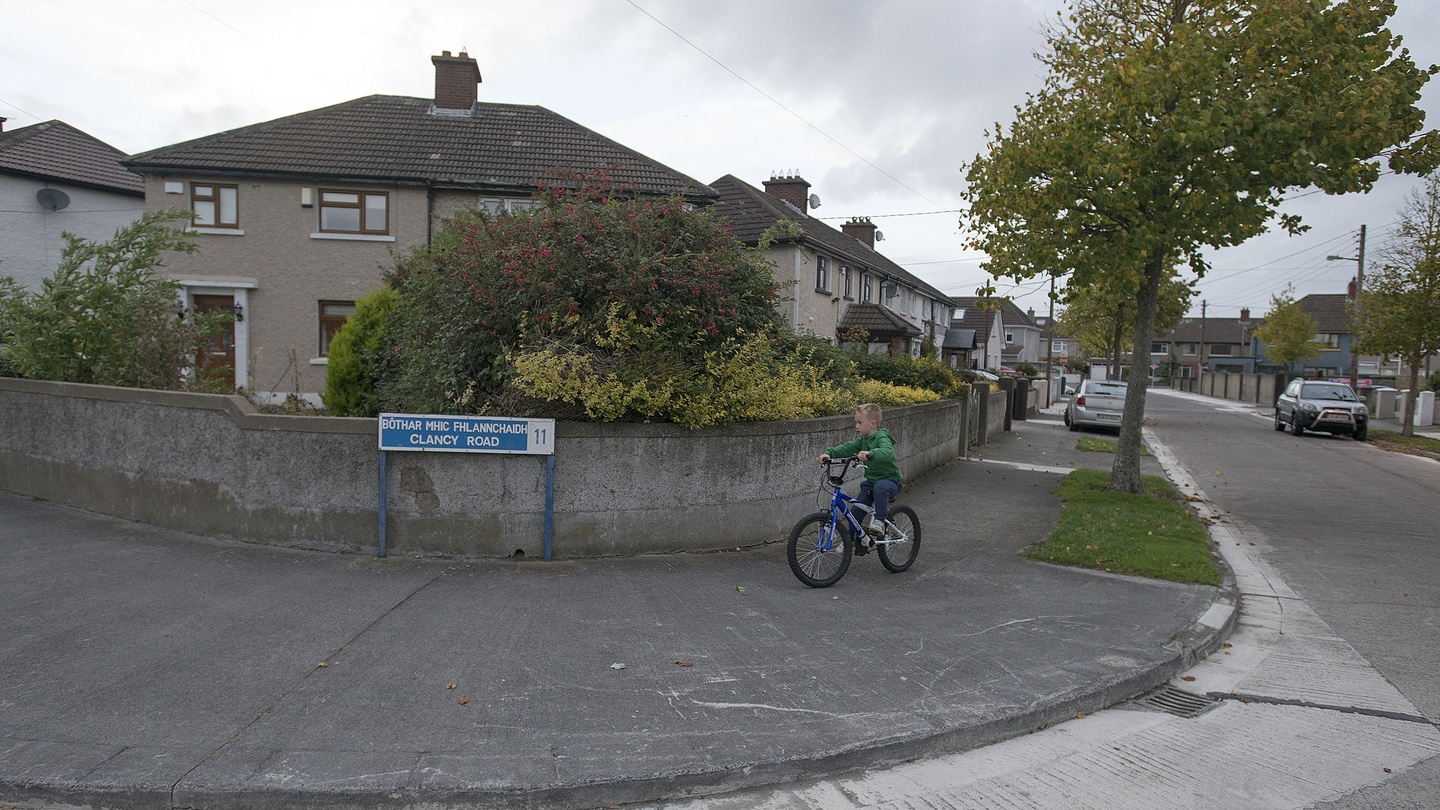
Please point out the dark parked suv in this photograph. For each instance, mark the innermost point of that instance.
(1324, 407)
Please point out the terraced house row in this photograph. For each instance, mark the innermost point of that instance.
(298, 217)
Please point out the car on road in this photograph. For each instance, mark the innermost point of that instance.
(1324, 406)
(1097, 403)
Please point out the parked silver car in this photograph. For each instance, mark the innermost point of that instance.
(1098, 403)
(1321, 406)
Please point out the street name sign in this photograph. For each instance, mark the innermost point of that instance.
(467, 434)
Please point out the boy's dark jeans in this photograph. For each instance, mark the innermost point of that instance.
(879, 493)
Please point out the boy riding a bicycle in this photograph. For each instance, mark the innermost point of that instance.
(876, 449)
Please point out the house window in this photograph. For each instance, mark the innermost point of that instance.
(1159, 347)
(333, 315)
(1189, 349)
(846, 283)
(1009, 338)
(497, 205)
(215, 206)
(1328, 339)
(867, 289)
(1058, 347)
(822, 274)
(354, 212)
(1222, 349)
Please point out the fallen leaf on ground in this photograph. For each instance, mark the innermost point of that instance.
(685, 662)
(1187, 677)
(322, 665)
(451, 685)
(617, 666)
(464, 700)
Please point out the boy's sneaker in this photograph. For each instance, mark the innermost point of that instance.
(876, 531)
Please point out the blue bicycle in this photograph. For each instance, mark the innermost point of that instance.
(821, 545)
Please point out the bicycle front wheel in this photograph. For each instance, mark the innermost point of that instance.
(819, 550)
(901, 545)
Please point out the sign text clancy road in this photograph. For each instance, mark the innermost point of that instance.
(467, 434)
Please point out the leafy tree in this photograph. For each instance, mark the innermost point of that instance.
(106, 316)
(1288, 333)
(357, 353)
(641, 292)
(1400, 305)
(1103, 318)
(1168, 126)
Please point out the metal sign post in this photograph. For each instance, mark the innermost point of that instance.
(438, 433)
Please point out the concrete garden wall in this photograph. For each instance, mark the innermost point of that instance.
(211, 465)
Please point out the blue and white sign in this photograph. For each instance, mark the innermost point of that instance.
(467, 434)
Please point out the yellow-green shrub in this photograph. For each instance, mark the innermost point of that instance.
(743, 381)
(887, 394)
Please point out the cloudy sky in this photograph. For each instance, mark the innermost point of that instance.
(876, 103)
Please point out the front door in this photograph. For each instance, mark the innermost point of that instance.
(217, 355)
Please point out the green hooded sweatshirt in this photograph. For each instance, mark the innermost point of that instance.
(881, 465)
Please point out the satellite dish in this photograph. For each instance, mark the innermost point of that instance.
(814, 200)
(879, 236)
(52, 199)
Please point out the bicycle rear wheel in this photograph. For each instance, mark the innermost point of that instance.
(819, 550)
(898, 553)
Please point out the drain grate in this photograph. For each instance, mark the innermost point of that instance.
(1174, 701)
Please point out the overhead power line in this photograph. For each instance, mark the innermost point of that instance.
(777, 103)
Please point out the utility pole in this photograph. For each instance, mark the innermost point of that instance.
(1355, 307)
(1050, 341)
(1203, 305)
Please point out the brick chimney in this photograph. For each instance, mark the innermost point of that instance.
(793, 190)
(456, 81)
(860, 228)
(1245, 314)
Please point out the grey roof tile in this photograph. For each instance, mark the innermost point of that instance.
(1330, 311)
(54, 150)
(957, 338)
(498, 148)
(877, 320)
(751, 211)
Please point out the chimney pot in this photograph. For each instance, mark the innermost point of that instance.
(862, 229)
(1245, 314)
(456, 81)
(792, 189)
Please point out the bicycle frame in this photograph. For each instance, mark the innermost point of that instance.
(843, 504)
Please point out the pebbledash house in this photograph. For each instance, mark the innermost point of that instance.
(298, 217)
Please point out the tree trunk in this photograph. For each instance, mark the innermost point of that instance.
(1407, 427)
(1125, 475)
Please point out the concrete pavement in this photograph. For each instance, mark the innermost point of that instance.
(1288, 716)
(146, 668)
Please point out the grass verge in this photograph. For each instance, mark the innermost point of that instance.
(1152, 534)
(1425, 444)
(1091, 444)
